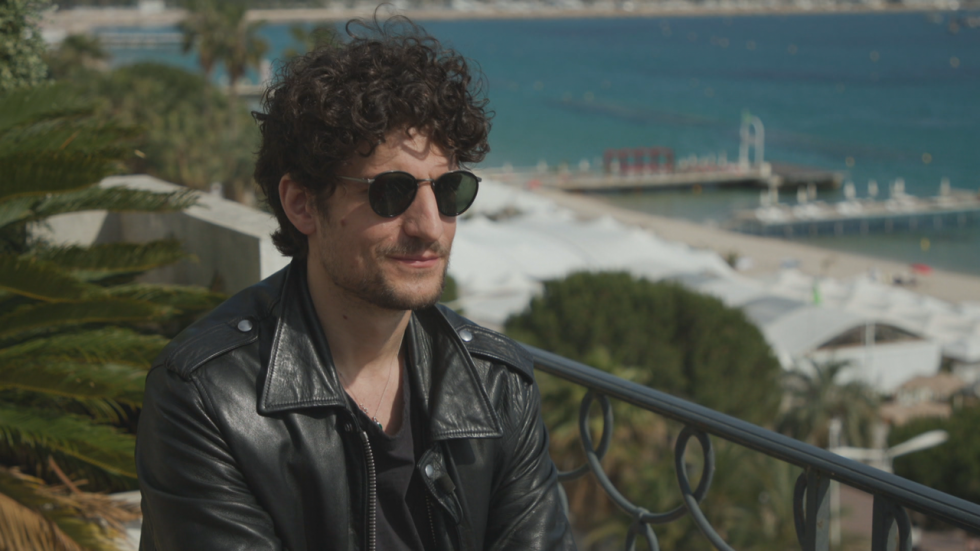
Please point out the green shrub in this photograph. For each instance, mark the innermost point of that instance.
(952, 467)
(666, 337)
(672, 339)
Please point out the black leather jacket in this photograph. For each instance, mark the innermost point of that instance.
(246, 440)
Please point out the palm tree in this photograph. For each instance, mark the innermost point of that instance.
(203, 31)
(318, 37)
(245, 49)
(812, 397)
(220, 32)
(77, 332)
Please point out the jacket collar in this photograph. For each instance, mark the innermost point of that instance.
(299, 371)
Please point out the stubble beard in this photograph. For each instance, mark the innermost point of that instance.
(376, 288)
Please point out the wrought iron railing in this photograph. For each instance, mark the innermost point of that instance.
(891, 528)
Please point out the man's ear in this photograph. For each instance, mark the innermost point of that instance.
(298, 202)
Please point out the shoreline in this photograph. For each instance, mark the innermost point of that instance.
(768, 254)
(81, 20)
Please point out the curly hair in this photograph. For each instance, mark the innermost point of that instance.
(341, 100)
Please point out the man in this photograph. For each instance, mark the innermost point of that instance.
(333, 406)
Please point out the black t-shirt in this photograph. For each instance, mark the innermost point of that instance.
(402, 515)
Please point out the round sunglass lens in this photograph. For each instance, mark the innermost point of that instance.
(391, 194)
(455, 192)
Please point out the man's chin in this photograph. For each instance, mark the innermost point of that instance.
(402, 296)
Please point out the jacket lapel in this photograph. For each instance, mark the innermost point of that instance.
(453, 386)
(300, 372)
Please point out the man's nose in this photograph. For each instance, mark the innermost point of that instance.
(422, 220)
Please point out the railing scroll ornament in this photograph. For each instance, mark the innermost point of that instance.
(891, 527)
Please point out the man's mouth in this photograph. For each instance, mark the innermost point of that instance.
(417, 255)
(418, 261)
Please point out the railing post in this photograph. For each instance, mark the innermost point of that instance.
(890, 527)
(816, 534)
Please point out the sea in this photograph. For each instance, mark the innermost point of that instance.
(876, 96)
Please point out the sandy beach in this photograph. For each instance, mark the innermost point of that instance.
(81, 20)
(767, 255)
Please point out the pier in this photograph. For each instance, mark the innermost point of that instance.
(588, 181)
(657, 168)
(952, 208)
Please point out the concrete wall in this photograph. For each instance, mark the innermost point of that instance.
(230, 242)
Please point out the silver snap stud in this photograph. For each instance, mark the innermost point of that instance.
(466, 335)
(245, 325)
(429, 470)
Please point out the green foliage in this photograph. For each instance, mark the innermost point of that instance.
(666, 337)
(71, 521)
(813, 398)
(953, 467)
(219, 32)
(112, 261)
(77, 55)
(189, 131)
(75, 326)
(181, 128)
(675, 340)
(43, 433)
(450, 293)
(310, 39)
(21, 44)
(40, 152)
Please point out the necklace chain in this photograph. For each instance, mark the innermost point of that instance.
(374, 417)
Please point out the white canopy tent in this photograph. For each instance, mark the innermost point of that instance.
(512, 240)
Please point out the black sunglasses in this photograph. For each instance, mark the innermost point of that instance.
(391, 193)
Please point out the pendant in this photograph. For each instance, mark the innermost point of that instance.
(375, 419)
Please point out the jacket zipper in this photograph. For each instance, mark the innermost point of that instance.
(432, 525)
(372, 495)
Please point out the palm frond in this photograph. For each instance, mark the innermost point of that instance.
(23, 528)
(84, 135)
(83, 381)
(34, 516)
(27, 105)
(50, 143)
(109, 344)
(113, 259)
(60, 155)
(48, 315)
(114, 199)
(40, 280)
(71, 170)
(48, 433)
(103, 412)
(15, 209)
(182, 297)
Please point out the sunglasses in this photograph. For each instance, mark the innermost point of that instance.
(391, 193)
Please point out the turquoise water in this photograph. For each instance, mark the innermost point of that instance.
(878, 96)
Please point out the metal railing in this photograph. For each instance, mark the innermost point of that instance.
(891, 528)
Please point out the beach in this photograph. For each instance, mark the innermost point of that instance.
(767, 255)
